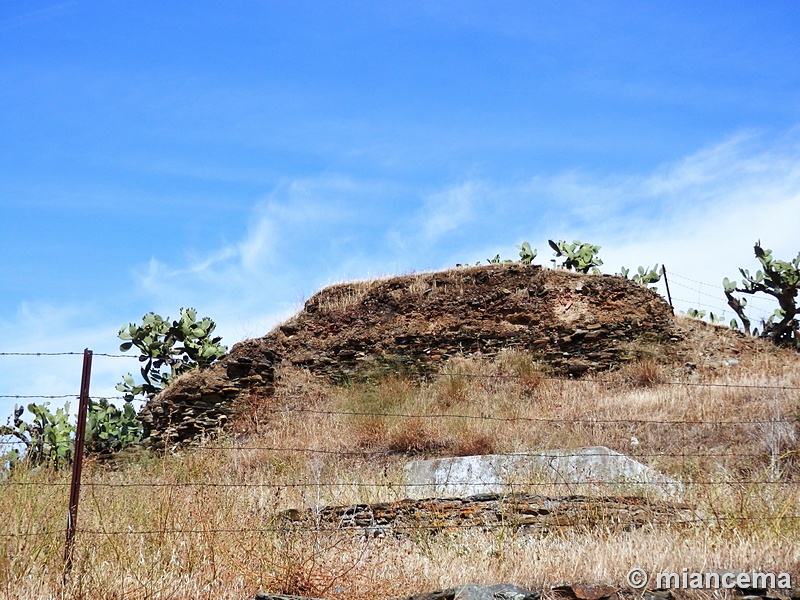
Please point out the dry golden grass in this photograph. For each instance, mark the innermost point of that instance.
(342, 296)
(200, 523)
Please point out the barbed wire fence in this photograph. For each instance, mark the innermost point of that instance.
(788, 486)
(756, 309)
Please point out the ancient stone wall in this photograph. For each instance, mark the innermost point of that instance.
(573, 323)
(525, 512)
(199, 403)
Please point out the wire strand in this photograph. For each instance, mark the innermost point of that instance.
(302, 527)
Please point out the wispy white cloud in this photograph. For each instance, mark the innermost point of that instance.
(304, 233)
(28, 17)
(257, 248)
(700, 215)
(448, 210)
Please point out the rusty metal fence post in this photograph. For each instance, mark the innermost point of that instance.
(77, 461)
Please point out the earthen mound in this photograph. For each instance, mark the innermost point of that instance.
(574, 324)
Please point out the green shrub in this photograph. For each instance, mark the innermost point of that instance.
(48, 438)
(110, 429)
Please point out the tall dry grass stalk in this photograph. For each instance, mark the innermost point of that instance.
(201, 523)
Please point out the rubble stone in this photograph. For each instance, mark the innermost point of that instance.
(524, 512)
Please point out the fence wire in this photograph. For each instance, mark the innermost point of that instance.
(739, 481)
(381, 529)
(751, 305)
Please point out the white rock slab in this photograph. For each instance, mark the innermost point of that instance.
(590, 471)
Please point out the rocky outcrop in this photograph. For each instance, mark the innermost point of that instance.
(524, 512)
(573, 323)
(574, 591)
(597, 467)
(204, 401)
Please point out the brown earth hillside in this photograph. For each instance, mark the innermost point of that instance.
(574, 324)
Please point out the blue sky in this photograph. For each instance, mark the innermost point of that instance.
(238, 156)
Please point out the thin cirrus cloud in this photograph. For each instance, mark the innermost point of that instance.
(701, 214)
(40, 14)
(304, 234)
(447, 211)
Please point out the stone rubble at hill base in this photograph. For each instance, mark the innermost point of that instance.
(524, 512)
(470, 591)
(578, 591)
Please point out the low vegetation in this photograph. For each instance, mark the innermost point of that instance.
(200, 522)
(577, 256)
(48, 439)
(167, 349)
(644, 275)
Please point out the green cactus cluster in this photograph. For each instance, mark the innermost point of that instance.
(526, 253)
(526, 256)
(693, 313)
(47, 438)
(779, 279)
(498, 261)
(578, 256)
(167, 350)
(110, 429)
(713, 318)
(645, 275)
